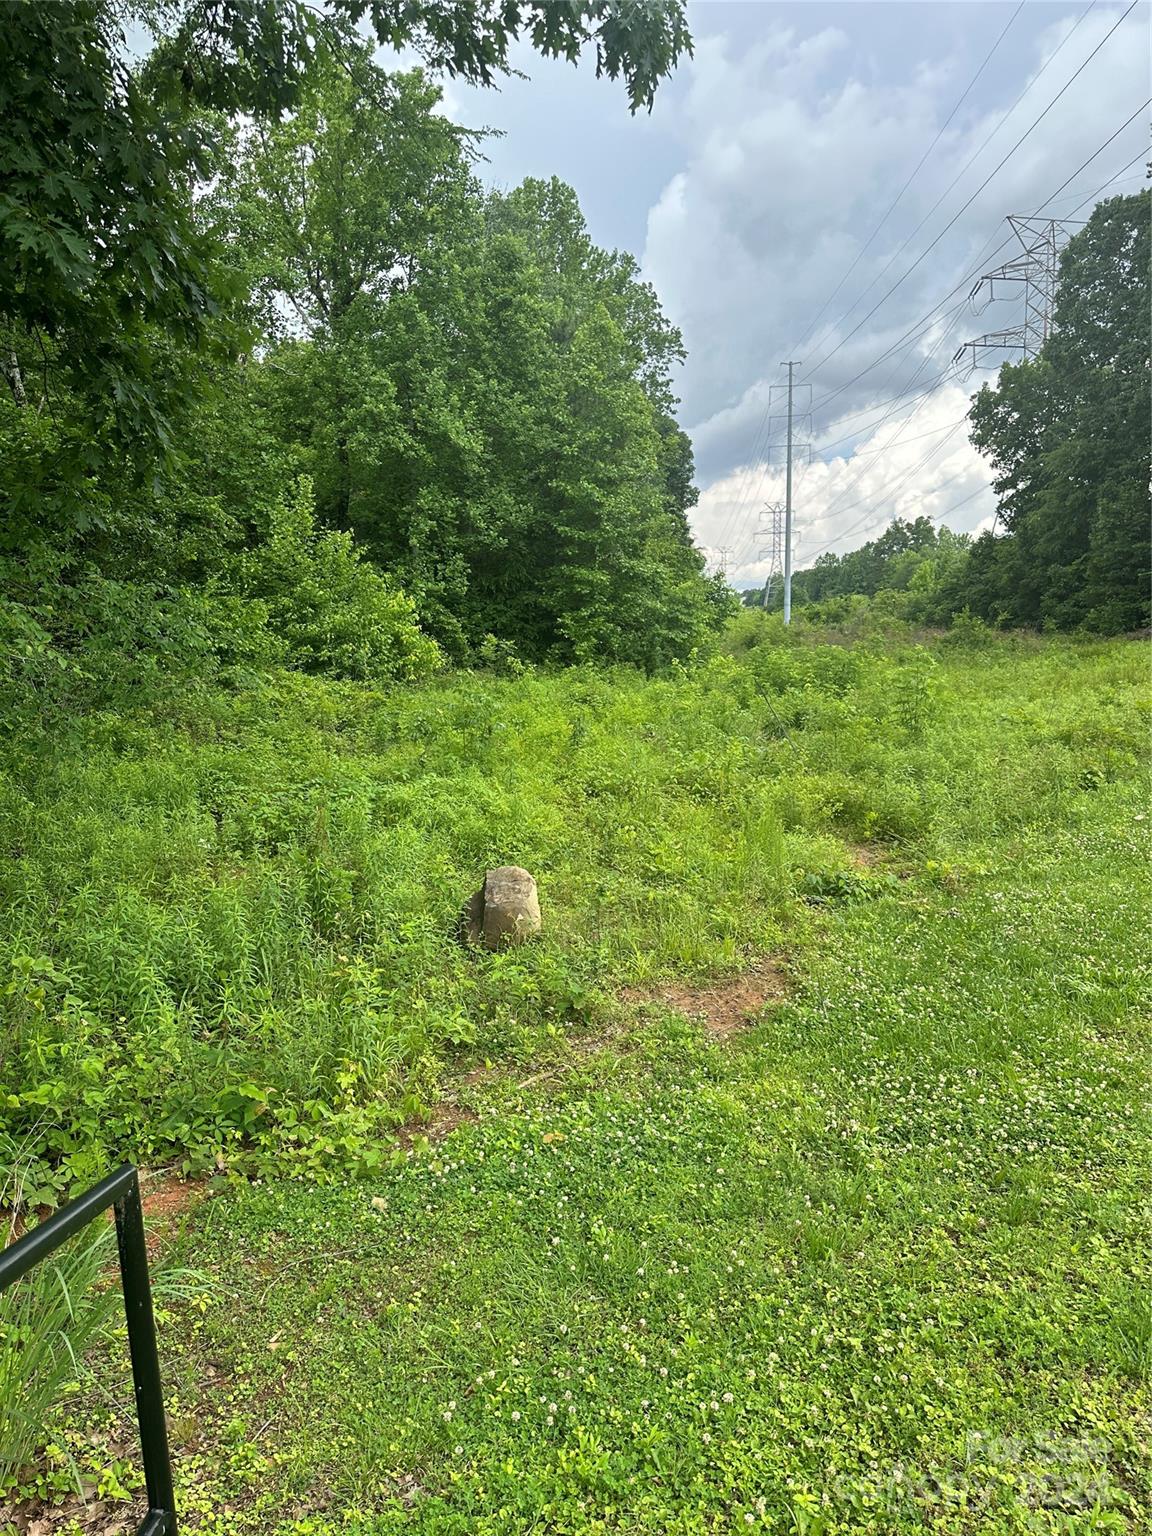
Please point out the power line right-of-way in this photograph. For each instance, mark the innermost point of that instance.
(936, 317)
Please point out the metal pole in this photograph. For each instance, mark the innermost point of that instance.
(121, 1190)
(145, 1359)
(788, 508)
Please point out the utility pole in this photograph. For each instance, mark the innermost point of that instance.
(788, 507)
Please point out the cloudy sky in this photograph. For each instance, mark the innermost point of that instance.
(758, 196)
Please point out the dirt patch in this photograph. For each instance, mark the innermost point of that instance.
(95, 1517)
(864, 855)
(723, 1006)
(442, 1120)
(166, 1199)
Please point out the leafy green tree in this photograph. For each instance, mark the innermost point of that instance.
(107, 284)
(348, 199)
(453, 356)
(1067, 435)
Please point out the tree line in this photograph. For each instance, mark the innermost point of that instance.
(287, 384)
(1067, 436)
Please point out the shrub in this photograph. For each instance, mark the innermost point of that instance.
(330, 611)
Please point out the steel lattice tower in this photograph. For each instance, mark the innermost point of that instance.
(1037, 268)
(774, 533)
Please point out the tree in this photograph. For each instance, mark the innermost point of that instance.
(107, 285)
(484, 396)
(254, 54)
(1067, 435)
(347, 199)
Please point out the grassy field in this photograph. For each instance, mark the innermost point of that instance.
(876, 1260)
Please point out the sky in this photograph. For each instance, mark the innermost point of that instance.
(801, 170)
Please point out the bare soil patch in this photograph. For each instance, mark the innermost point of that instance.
(723, 1006)
(441, 1121)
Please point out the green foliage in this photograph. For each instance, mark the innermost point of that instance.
(139, 274)
(48, 1321)
(240, 54)
(877, 1261)
(482, 395)
(229, 917)
(102, 267)
(1068, 438)
(332, 611)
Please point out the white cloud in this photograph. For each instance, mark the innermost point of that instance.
(793, 149)
(919, 464)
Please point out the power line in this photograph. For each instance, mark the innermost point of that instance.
(887, 490)
(1127, 123)
(967, 166)
(926, 252)
(918, 327)
(870, 453)
(738, 511)
(986, 255)
(903, 427)
(759, 437)
(893, 485)
(919, 166)
(848, 532)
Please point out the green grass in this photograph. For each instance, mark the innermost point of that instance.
(879, 1263)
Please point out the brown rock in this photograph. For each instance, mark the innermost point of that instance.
(504, 912)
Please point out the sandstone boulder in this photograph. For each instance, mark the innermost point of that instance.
(505, 911)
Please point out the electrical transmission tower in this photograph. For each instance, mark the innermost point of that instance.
(1037, 268)
(774, 533)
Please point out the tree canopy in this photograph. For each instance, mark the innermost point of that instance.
(286, 384)
(1067, 436)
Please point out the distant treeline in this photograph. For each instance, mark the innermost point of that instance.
(1067, 435)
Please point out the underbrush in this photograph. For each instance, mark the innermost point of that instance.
(229, 926)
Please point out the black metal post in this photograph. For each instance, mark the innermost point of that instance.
(145, 1359)
(122, 1191)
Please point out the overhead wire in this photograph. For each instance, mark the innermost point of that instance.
(1090, 197)
(911, 178)
(913, 333)
(928, 249)
(903, 246)
(760, 440)
(925, 319)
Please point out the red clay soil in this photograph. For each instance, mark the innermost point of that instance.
(722, 1006)
(166, 1198)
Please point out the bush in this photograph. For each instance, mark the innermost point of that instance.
(330, 611)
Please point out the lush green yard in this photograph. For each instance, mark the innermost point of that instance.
(877, 1261)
